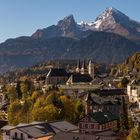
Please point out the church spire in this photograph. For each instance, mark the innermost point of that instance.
(83, 69)
(88, 103)
(91, 69)
(78, 66)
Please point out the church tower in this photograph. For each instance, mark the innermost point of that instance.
(83, 69)
(78, 68)
(91, 69)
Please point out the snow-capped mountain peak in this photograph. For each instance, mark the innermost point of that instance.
(110, 20)
(112, 9)
(106, 16)
(82, 23)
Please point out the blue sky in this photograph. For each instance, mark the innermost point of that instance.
(23, 17)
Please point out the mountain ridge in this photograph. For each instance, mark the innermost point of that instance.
(102, 47)
(111, 20)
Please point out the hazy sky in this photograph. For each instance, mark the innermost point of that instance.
(23, 17)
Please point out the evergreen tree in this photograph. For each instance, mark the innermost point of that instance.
(124, 125)
(19, 90)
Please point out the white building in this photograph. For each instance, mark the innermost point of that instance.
(37, 130)
(133, 92)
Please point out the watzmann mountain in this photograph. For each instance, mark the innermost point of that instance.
(65, 28)
(111, 20)
(111, 38)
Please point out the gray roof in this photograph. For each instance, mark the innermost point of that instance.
(64, 126)
(8, 127)
(80, 78)
(109, 92)
(22, 124)
(35, 132)
(42, 129)
(78, 136)
(57, 72)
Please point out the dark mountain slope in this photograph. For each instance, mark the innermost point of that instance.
(100, 46)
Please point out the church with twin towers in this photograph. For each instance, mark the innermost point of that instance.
(84, 68)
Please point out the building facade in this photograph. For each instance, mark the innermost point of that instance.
(98, 122)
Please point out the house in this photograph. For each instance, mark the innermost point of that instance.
(57, 76)
(112, 106)
(91, 105)
(95, 102)
(37, 130)
(133, 91)
(98, 122)
(96, 119)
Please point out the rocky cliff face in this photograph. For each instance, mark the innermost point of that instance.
(65, 28)
(111, 20)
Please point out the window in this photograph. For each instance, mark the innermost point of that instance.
(86, 132)
(7, 132)
(83, 125)
(15, 134)
(80, 125)
(92, 126)
(21, 135)
(86, 125)
(29, 137)
(103, 126)
(89, 126)
(96, 126)
(92, 120)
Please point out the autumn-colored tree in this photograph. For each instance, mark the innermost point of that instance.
(18, 88)
(26, 87)
(36, 95)
(123, 83)
(14, 114)
(13, 95)
(79, 110)
(48, 112)
(134, 134)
